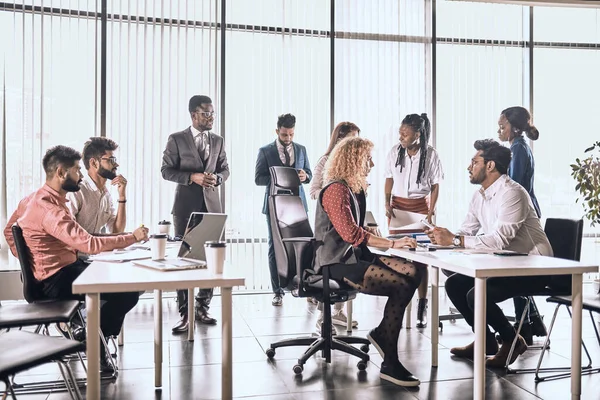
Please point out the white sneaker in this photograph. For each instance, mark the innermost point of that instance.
(318, 325)
(339, 318)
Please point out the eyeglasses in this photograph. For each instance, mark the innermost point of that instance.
(475, 162)
(112, 160)
(206, 114)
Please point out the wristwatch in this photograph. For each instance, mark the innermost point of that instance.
(456, 241)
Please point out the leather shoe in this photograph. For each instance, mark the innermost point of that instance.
(491, 348)
(182, 325)
(499, 360)
(398, 375)
(204, 317)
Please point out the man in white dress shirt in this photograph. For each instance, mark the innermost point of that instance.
(501, 217)
(92, 206)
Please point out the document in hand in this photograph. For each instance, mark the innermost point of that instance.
(406, 220)
(121, 256)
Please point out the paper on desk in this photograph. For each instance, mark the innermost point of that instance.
(407, 220)
(121, 256)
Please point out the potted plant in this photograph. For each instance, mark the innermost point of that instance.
(587, 175)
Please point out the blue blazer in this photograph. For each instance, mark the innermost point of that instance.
(522, 168)
(269, 157)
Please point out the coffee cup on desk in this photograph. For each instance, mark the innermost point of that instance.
(215, 255)
(158, 244)
(164, 227)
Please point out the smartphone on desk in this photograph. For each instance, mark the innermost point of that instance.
(509, 253)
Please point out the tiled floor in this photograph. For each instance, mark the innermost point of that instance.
(193, 370)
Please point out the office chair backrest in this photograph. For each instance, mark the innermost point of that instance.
(565, 237)
(288, 220)
(284, 180)
(32, 290)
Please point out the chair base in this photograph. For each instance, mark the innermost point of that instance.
(325, 345)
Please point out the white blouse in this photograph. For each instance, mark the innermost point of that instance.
(405, 182)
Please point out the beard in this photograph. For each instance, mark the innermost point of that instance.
(109, 174)
(71, 185)
(477, 179)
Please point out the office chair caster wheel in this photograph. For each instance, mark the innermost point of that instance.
(270, 352)
(361, 365)
(364, 348)
(298, 369)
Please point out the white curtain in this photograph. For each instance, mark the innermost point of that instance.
(48, 71)
(382, 73)
(271, 69)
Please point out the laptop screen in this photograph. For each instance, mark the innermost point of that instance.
(201, 227)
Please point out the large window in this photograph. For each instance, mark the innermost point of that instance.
(278, 59)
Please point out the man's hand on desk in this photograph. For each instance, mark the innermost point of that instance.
(141, 234)
(441, 236)
(203, 179)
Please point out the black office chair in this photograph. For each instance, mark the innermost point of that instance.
(295, 246)
(33, 294)
(565, 236)
(24, 350)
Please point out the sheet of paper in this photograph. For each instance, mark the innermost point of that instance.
(407, 220)
(121, 256)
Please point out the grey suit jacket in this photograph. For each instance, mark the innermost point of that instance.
(180, 159)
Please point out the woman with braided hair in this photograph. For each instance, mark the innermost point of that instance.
(413, 173)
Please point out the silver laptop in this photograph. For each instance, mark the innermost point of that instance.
(201, 227)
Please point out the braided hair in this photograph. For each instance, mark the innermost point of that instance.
(418, 123)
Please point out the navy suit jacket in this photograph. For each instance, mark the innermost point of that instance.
(268, 157)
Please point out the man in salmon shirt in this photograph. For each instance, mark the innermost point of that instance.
(54, 237)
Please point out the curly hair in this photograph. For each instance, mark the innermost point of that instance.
(348, 162)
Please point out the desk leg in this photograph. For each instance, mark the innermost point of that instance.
(226, 368)
(158, 339)
(576, 306)
(92, 301)
(435, 314)
(480, 324)
(191, 315)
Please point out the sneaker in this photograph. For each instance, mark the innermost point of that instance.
(277, 300)
(375, 340)
(422, 313)
(398, 375)
(320, 323)
(339, 318)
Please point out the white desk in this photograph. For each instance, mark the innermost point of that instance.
(103, 277)
(483, 266)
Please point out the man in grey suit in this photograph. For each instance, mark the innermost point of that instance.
(195, 159)
(282, 152)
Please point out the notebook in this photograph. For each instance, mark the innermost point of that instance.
(201, 227)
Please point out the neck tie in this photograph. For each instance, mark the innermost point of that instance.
(286, 154)
(201, 144)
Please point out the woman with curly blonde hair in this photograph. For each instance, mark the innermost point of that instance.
(343, 249)
(339, 133)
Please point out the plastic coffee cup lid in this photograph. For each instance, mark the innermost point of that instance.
(214, 243)
(158, 236)
(164, 222)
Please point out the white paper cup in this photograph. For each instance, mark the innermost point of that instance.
(164, 227)
(158, 243)
(215, 255)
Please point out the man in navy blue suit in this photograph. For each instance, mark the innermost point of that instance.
(283, 152)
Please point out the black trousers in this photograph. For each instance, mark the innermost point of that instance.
(116, 305)
(204, 296)
(461, 291)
